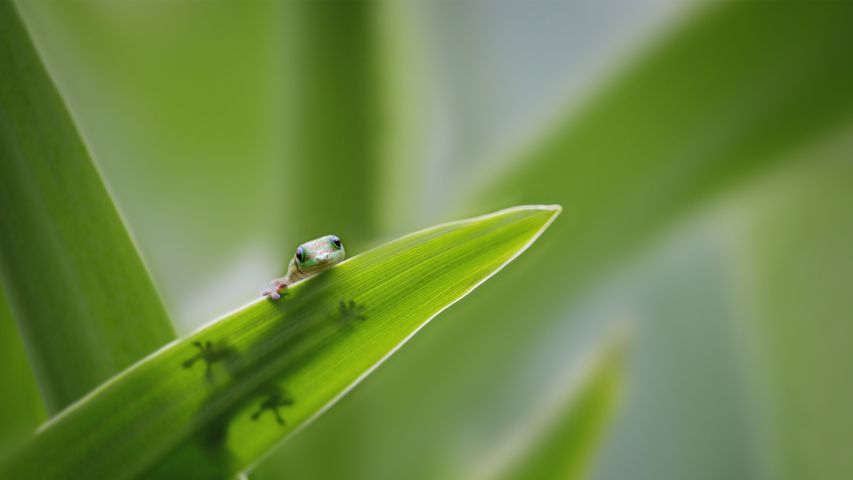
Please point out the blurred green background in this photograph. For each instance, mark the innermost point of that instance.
(701, 153)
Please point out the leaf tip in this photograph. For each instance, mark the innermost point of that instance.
(553, 211)
(555, 208)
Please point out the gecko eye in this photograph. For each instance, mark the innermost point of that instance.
(300, 254)
(336, 241)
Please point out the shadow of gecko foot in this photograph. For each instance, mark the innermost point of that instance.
(351, 310)
(273, 403)
(209, 355)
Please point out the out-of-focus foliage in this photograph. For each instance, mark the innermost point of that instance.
(687, 388)
(21, 407)
(697, 112)
(794, 238)
(570, 439)
(84, 300)
(181, 107)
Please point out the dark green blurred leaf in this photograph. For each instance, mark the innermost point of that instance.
(209, 405)
(21, 407)
(83, 298)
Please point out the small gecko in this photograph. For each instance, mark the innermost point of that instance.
(310, 259)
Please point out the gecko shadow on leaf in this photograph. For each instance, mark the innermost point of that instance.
(211, 354)
(275, 399)
(257, 373)
(351, 311)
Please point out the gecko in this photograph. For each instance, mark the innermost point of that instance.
(310, 259)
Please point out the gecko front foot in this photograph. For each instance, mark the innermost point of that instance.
(275, 289)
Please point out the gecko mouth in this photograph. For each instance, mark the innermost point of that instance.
(321, 261)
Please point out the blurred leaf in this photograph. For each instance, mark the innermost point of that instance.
(726, 96)
(717, 100)
(403, 70)
(569, 441)
(209, 405)
(21, 407)
(333, 109)
(181, 108)
(686, 385)
(83, 298)
(795, 234)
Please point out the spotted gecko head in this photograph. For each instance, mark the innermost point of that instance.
(320, 254)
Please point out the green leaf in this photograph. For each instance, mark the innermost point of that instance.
(403, 78)
(565, 447)
(21, 408)
(83, 298)
(209, 405)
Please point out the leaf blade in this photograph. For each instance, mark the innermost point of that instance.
(270, 367)
(21, 408)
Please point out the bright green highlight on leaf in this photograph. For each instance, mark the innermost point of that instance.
(232, 390)
(80, 293)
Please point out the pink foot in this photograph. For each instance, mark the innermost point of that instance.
(273, 291)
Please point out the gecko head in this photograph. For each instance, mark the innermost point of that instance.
(320, 254)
